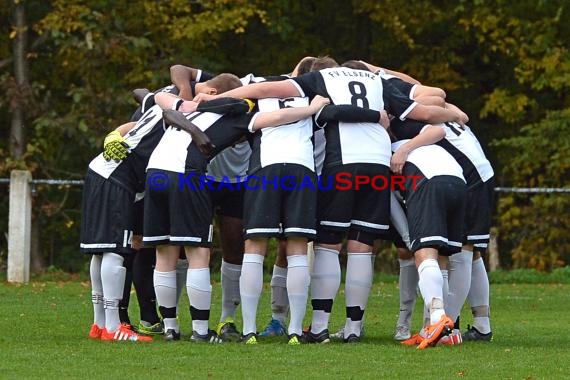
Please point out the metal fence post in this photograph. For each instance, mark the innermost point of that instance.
(19, 226)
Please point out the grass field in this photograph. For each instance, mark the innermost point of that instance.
(46, 324)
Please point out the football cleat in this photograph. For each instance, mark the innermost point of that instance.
(415, 339)
(95, 332)
(436, 331)
(340, 333)
(250, 338)
(352, 338)
(402, 333)
(148, 329)
(295, 340)
(452, 339)
(322, 337)
(472, 334)
(171, 335)
(210, 337)
(274, 328)
(124, 334)
(227, 331)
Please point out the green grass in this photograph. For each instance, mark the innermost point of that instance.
(46, 324)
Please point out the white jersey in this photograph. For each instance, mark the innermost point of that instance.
(349, 143)
(291, 143)
(430, 161)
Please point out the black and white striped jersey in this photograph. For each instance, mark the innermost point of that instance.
(176, 153)
(460, 142)
(142, 139)
(348, 143)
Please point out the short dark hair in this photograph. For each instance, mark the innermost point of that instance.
(323, 62)
(354, 64)
(305, 65)
(224, 82)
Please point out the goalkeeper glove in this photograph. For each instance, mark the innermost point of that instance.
(115, 147)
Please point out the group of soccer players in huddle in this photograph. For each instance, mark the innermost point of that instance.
(264, 145)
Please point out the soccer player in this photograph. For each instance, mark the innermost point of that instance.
(106, 228)
(435, 210)
(113, 179)
(368, 146)
(168, 228)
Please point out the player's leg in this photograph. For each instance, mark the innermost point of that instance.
(370, 221)
(96, 297)
(334, 209)
(408, 284)
(261, 219)
(435, 217)
(143, 269)
(478, 296)
(279, 296)
(298, 280)
(251, 285)
(124, 303)
(231, 234)
(164, 280)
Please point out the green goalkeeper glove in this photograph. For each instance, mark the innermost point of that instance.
(115, 147)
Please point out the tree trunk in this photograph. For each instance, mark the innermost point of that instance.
(21, 74)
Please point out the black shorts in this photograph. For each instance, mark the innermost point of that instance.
(281, 199)
(138, 211)
(341, 208)
(478, 214)
(177, 211)
(227, 199)
(106, 216)
(436, 211)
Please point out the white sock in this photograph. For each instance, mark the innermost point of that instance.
(479, 297)
(279, 297)
(358, 282)
(431, 286)
(97, 291)
(445, 287)
(459, 282)
(408, 283)
(199, 291)
(165, 290)
(298, 290)
(230, 289)
(250, 285)
(325, 281)
(113, 282)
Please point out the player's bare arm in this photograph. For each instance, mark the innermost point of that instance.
(280, 89)
(288, 115)
(429, 135)
(434, 114)
(181, 76)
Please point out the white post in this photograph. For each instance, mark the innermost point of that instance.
(19, 226)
